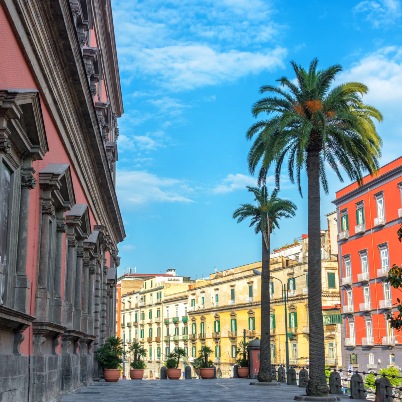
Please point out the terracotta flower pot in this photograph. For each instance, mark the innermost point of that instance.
(242, 372)
(111, 375)
(136, 374)
(173, 373)
(207, 373)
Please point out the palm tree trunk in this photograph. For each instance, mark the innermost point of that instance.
(317, 384)
(264, 374)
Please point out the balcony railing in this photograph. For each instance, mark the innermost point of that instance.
(250, 333)
(232, 302)
(216, 335)
(368, 341)
(363, 277)
(331, 361)
(193, 337)
(382, 272)
(191, 308)
(385, 304)
(157, 319)
(388, 340)
(201, 336)
(175, 320)
(379, 221)
(129, 324)
(166, 321)
(347, 309)
(185, 338)
(272, 331)
(135, 323)
(350, 342)
(360, 228)
(291, 292)
(123, 324)
(343, 235)
(149, 339)
(249, 299)
(232, 334)
(166, 338)
(176, 338)
(347, 280)
(184, 319)
(365, 306)
(141, 304)
(157, 339)
(215, 304)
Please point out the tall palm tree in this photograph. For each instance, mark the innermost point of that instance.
(309, 123)
(264, 217)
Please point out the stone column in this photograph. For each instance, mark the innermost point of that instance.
(71, 262)
(42, 293)
(21, 283)
(57, 300)
(85, 292)
(103, 301)
(78, 286)
(91, 296)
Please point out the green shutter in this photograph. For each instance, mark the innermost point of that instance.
(273, 323)
(219, 327)
(194, 328)
(331, 280)
(250, 291)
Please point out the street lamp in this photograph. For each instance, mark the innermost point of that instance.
(284, 298)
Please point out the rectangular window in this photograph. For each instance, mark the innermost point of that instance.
(150, 353)
(143, 316)
(192, 303)
(167, 351)
(232, 294)
(369, 329)
(344, 220)
(217, 326)
(293, 320)
(331, 280)
(331, 351)
(250, 290)
(291, 284)
(271, 289)
(234, 351)
(202, 327)
(158, 352)
(135, 317)
(216, 298)
(273, 352)
(233, 325)
(251, 323)
(364, 262)
(158, 332)
(379, 198)
(352, 330)
(150, 314)
(273, 324)
(141, 333)
(150, 332)
(5, 197)
(193, 351)
(294, 351)
(384, 258)
(387, 291)
(348, 267)
(193, 328)
(217, 351)
(176, 330)
(366, 295)
(185, 330)
(360, 213)
(202, 300)
(185, 351)
(349, 295)
(158, 313)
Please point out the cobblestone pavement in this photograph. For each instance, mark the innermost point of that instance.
(222, 390)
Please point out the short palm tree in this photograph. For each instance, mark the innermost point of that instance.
(264, 217)
(310, 124)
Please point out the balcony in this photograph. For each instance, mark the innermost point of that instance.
(176, 338)
(141, 304)
(149, 339)
(185, 338)
(368, 341)
(305, 291)
(142, 340)
(157, 339)
(166, 338)
(201, 307)
(400, 213)
(351, 342)
(232, 334)
(193, 337)
(385, 304)
(129, 324)
(157, 319)
(215, 304)
(216, 335)
(347, 309)
(249, 299)
(330, 361)
(123, 324)
(231, 302)
(135, 324)
(191, 308)
(343, 235)
(360, 228)
(250, 333)
(272, 331)
(175, 320)
(363, 277)
(379, 221)
(347, 280)
(201, 336)
(291, 293)
(184, 319)
(166, 321)
(388, 340)
(158, 301)
(382, 272)
(292, 330)
(365, 306)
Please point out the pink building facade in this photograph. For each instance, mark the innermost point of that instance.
(60, 222)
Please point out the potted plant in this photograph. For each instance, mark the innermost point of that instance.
(109, 356)
(242, 370)
(206, 367)
(137, 365)
(172, 363)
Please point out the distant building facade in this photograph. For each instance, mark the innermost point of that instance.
(368, 217)
(60, 221)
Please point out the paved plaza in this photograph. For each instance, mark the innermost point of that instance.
(222, 390)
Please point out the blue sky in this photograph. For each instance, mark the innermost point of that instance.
(190, 72)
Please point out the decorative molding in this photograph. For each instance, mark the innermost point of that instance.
(27, 178)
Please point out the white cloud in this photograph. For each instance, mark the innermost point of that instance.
(380, 12)
(138, 188)
(233, 182)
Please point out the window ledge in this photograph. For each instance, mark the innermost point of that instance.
(13, 320)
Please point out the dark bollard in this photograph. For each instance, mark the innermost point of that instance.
(303, 378)
(281, 374)
(163, 375)
(214, 367)
(291, 377)
(187, 373)
(357, 387)
(383, 390)
(235, 372)
(273, 373)
(335, 383)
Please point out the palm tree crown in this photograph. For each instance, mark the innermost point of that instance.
(310, 115)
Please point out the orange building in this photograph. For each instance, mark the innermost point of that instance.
(368, 218)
